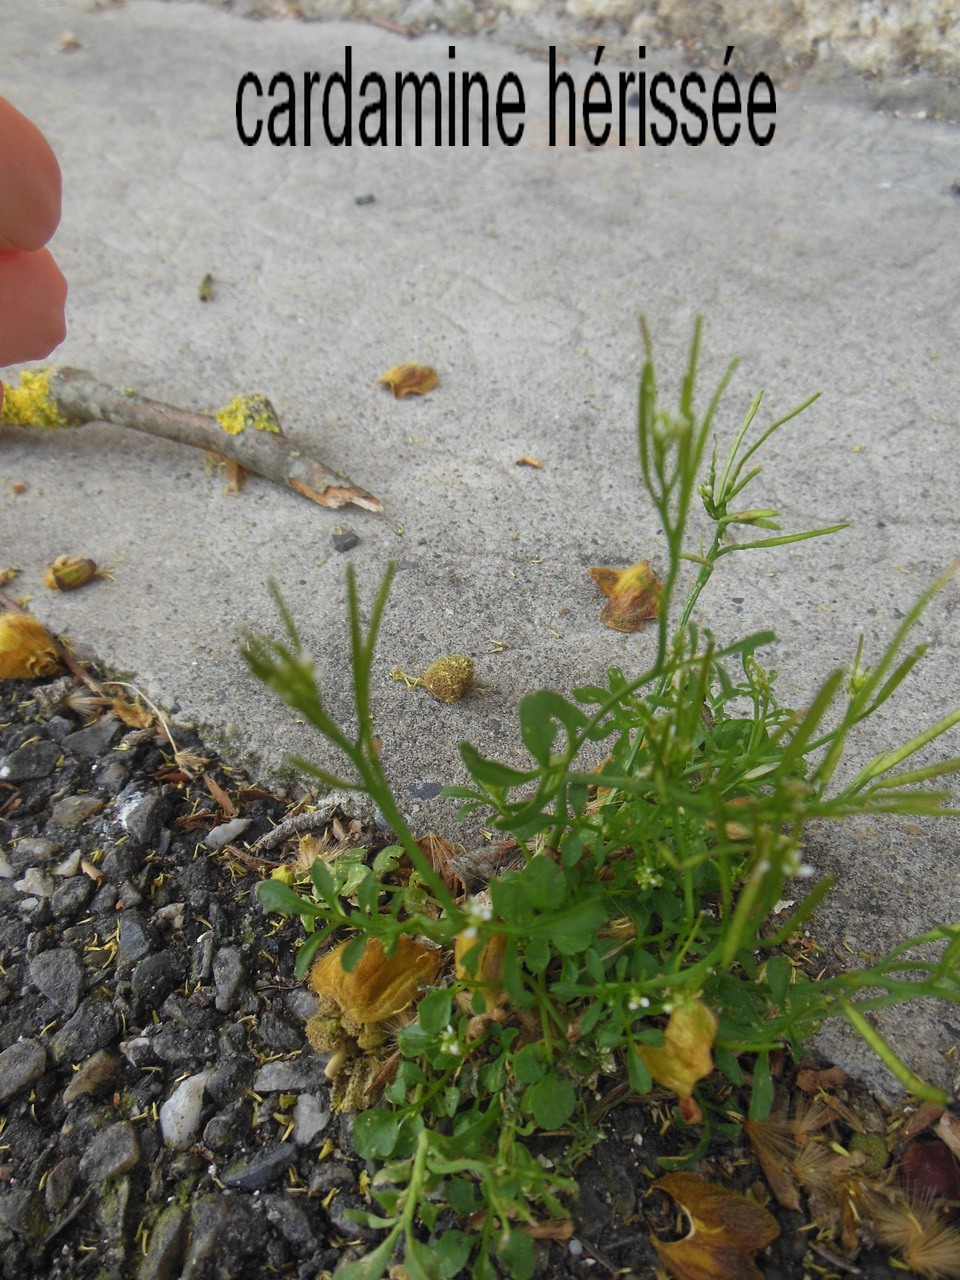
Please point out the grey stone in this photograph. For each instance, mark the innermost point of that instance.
(227, 975)
(111, 776)
(92, 1027)
(167, 1245)
(93, 740)
(154, 977)
(59, 975)
(264, 1168)
(32, 852)
(141, 814)
(32, 760)
(209, 1219)
(20, 1064)
(60, 1183)
(278, 1034)
(345, 540)
(21, 1211)
(289, 1077)
(69, 897)
(99, 1069)
(290, 1220)
(111, 1153)
(134, 943)
(72, 810)
(310, 1117)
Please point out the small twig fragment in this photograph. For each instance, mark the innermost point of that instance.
(61, 397)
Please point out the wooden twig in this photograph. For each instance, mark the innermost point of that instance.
(75, 397)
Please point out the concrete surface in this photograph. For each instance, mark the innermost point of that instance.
(827, 260)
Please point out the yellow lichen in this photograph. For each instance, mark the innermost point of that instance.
(31, 404)
(248, 411)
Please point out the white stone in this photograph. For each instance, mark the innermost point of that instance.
(180, 1114)
(310, 1117)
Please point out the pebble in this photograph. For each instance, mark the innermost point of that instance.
(288, 1077)
(21, 1211)
(166, 1247)
(32, 760)
(133, 942)
(99, 1069)
(227, 975)
(94, 740)
(20, 1064)
(141, 814)
(92, 1027)
(180, 1114)
(69, 897)
(154, 977)
(60, 1183)
(72, 810)
(59, 975)
(6, 871)
(345, 540)
(310, 1117)
(217, 837)
(37, 882)
(68, 866)
(255, 1174)
(111, 1153)
(111, 777)
(31, 852)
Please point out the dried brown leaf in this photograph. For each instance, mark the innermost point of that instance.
(409, 379)
(775, 1147)
(221, 797)
(69, 572)
(726, 1229)
(812, 1081)
(633, 595)
(527, 460)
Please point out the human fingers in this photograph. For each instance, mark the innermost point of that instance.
(29, 183)
(32, 296)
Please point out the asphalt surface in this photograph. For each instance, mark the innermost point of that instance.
(827, 260)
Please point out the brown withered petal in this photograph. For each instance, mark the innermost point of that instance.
(726, 1229)
(487, 970)
(69, 572)
(633, 595)
(774, 1146)
(529, 461)
(409, 379)
(27, 650)
(380, 985)
(685, 1056)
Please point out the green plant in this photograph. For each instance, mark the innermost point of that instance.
(635, 940)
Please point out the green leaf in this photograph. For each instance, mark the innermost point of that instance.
(323, 882)
(375, 1133)
(537, 954)
(551, 1101)
(421, 1262)
(491, 773)
(641, 1081)
(452, 1250)
(353, 953)
(543, 883)
(307, 952)
(433, 1011)
(761, 1094)
(529, 1064)
(372, 1265)
(274, 895)
(779, 973)
(517, 1254)
(573, 930)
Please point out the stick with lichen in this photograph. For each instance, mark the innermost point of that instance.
(60, 397)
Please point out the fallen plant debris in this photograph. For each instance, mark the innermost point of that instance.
(449, 679)
(633, 596)
(62, 397)
(67, 573)
(409, 379)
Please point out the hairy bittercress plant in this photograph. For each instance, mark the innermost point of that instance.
(644, 901)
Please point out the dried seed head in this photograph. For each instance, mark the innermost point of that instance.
(27, 651)
(69, 572)
(450, 679)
